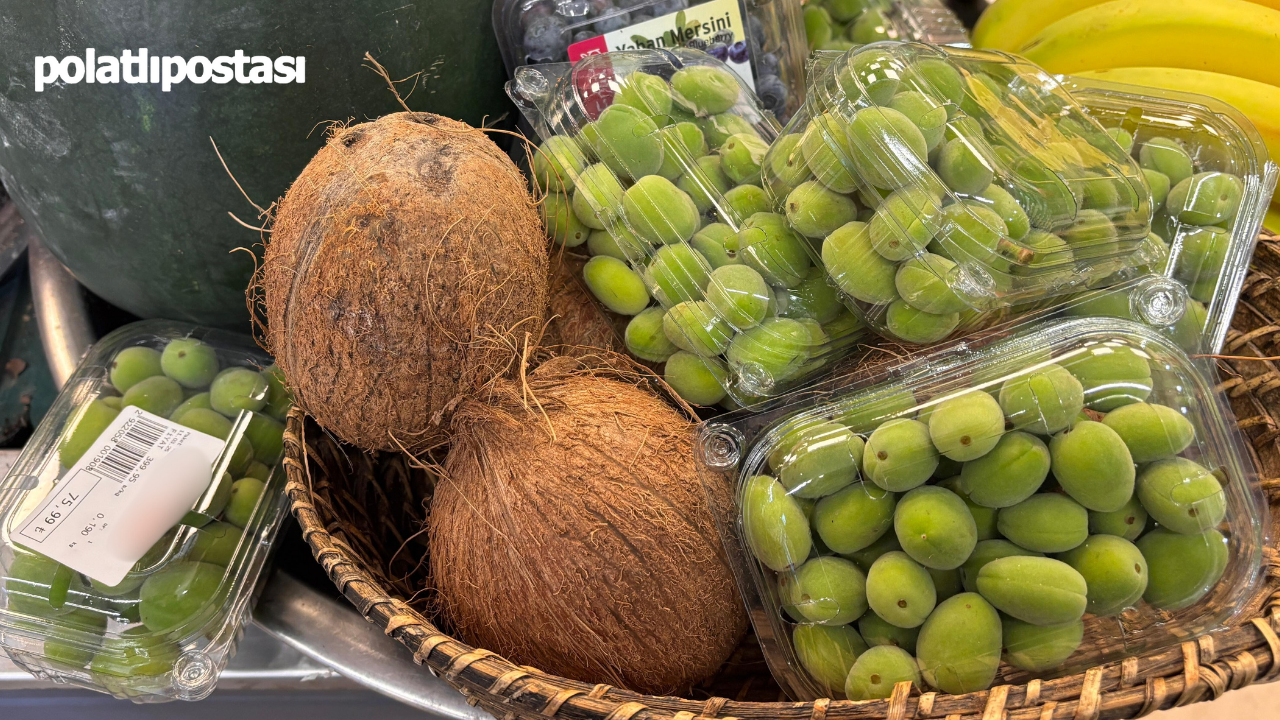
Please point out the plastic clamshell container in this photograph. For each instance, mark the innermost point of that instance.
(860, 514)
(661, 150)
(1211, 260)
(980, 184)
(928, 21)
(763, 41)
(59, 625)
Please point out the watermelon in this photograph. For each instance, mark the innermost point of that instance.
(121, 180)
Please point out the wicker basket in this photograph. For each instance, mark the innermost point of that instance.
(360, 514)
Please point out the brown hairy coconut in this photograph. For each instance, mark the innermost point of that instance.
(574, 322)
(406, 263)
(570, 532)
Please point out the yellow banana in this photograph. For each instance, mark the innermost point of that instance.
(1010, 24)
(1258, 101)
(1232, 37)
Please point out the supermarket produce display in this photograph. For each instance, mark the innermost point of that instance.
(912, 379)
(1074, 483)
(167, 628)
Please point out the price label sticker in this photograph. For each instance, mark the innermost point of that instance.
(135, 482)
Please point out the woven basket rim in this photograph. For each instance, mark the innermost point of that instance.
(1195, 670)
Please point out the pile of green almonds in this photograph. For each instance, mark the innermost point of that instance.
(663, 188)
(920, 179)
(919, 542)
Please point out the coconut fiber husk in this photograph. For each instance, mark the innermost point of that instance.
(576, 325)
(406, 265)
(574, 495)
(1246, 651)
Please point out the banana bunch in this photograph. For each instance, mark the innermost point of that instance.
(1225, 49)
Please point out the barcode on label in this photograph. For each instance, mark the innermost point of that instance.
(130, 449)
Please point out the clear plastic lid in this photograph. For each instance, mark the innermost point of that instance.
(1053, 498)
(762, 41)
(652, 160)
(168, 628)
(1211, 181)
(838, 25)
(979, 184)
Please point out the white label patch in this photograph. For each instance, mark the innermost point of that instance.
(136, 481)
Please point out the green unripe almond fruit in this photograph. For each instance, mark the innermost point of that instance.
(899, 455)
(1036, 648)
(827, 653)
(740, 295)
(740, 158)
(771, 352)
(824, 461)
(924, 283)
(1151, 432)
(597, 196)
(1181, 569)
(773, 249)
(959, 645)
(1043, 401)
(984, 518)
(1012, 472)
(1182, 495)
(875, 631)
(900, 590)
(615, 285)
(967, 426)
(854, 517)
(158, 395)
(191, 363)
(628, 142)
(132, 365)
(705, 89)
(676, 274)
(95, 418)
(985, 552)
(815, 211)
(645, 337)
(557, 162)
(1045, 522)
(1128, 522)
(1092, 463)
(774, 525)
(857, 268)
(1114, 570)
(876, 671)
(829, 591)
(659, 212)
(935, 528)
(1038, 590)
(1111, 375)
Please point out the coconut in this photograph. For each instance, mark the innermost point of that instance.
(569, 532)
(405, 266)
(575, 325)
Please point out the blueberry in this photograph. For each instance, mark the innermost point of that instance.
(610, 23)
(583, 35)
(719, 52)
(772, 92)
(544, 38)
(738, 52)
(767, 64)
